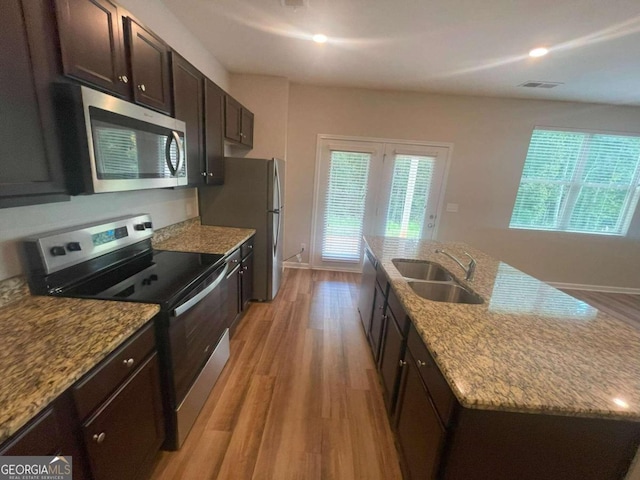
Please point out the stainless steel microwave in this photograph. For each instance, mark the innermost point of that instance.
(111, 145)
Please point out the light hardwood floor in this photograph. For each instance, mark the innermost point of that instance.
(299, 398)
(620, 305)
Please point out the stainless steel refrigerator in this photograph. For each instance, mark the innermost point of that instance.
(252, 197)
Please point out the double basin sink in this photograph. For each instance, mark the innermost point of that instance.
(433, 282)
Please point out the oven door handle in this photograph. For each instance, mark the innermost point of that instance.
(193, 301)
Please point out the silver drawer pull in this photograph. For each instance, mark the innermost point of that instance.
(99, 438)
(421, 363)
(402, 363)
(142, 87)
(123, 79)
(128, 362)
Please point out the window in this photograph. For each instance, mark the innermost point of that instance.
(578, 182)
(345, 206)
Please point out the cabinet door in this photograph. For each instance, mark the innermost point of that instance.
(247, 281)
(377, 323)
(92, 43)
(367, 290)
(232, 119)
(419, 432)
(188, 102)
(30, 167)
(149, 57)
(246, 128)
(124, 436)
(214, 133)
(233, 299)
(391, 354)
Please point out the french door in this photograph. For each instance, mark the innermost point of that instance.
(381, 188)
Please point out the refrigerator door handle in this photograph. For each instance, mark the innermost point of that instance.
(277, 237)
(277, 180)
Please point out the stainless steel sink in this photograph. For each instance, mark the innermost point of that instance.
(445, 292)
(421, 270)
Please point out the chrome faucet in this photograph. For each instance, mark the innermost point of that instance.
(468, 270)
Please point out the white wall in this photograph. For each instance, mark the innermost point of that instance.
(490, 137)
(165, 206)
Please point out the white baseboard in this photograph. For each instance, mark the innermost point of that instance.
(595, 288)
(304, 266)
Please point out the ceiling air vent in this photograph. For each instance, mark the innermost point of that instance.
(531, 84)
(294, 3)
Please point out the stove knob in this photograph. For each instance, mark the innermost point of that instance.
(56, 251)
(148, 225)
(146, 281)
(138, 226)
(153, 277)
(74, 246)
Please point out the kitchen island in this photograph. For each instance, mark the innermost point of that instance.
(527, 349)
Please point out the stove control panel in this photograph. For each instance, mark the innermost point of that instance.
(53, 251)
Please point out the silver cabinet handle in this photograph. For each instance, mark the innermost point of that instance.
(421, 363)
(207, 348)
(123, 79)
(250, 247)
(402, 363)
(204, 174)
(245, 268)
(142, 88)
(211, 174)
(128, 362)
(99, 438)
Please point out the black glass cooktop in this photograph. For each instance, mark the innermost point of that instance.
(158, 276)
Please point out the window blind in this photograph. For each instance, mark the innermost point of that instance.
(410, 187)
(345, 206)
(116, 153)
(578, 182)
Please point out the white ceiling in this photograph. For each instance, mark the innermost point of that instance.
(470, 47)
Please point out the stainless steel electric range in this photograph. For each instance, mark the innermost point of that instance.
(114, 260)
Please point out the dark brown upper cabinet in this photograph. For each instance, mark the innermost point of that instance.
(238, 122)
(214, 138)
(150, 68)
(188, 101)
(92, 44)
(30, 166)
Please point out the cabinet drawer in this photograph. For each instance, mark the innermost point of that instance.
(247, 247)
(438, 387)
(398, 312)
(101, 381)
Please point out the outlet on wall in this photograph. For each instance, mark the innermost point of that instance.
(303, 246)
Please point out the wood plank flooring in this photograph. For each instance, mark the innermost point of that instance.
(299, 398)
(623, 306)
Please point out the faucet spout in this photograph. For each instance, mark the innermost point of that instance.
(469, 270)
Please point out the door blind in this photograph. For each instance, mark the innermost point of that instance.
(345, 206)
(412, 176)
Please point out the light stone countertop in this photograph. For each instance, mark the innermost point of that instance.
(48, 343)
(193, 237)
(529, 348)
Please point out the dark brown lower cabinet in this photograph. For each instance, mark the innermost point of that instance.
(246, 276)
(419, 432)
(239, 283)
(377, 323)
(391, 353)
(125, 434)
(53, 432)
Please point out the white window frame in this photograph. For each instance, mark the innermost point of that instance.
(574, 187)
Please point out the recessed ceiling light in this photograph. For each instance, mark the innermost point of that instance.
(319, 38)
(538, 52)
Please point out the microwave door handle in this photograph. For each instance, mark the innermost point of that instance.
(167, 153)
(180, 152)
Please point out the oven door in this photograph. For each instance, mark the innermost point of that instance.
(195, 327)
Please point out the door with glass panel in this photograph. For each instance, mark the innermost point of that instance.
(346, 180)
(373, 188)
(411, 185)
